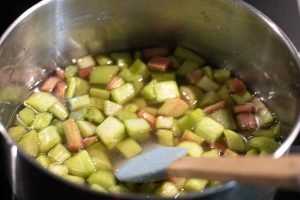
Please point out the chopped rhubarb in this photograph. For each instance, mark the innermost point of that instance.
(60, 73)
(194, 76)
(258, 104)
(89, 140)
(160, 64)
(214, 107)
(178, 181)
(236, 85)
(49, 84)
(230, 153)
(190, 136)
(60, 90)
(85, 72)
(86, 61)
(173, 107)
(157, 51)
(264, 116)
(247, 107)
(148, 117)
(73, 136)
(115, 82)
(219, 146)
(246, 121)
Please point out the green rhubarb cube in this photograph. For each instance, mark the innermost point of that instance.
(59, 128)
(48, 138)
(79, 114)
(59, 154)
(41, 101)
(167, 189)
(195, 184)
(104, 60)
(188, 121)
(207, 71)
(209, 98)
(139, 67)
(58, 169)
(26, 116)
(30, 143)
(191, 94)
(209, 129)
(98, 154)
(74, 179)
(129, 148)
(42, 120)
(111, 131)
(187, 67)
(98, 188)
(99, 93)
(97, 103)
(191, 136)
(224, 117)
(123, 94)
(80, 164)
(234, 141)
(241, 98)
(111, 108)
(193, 149)
(82, 87)
(104, 178)
(119, 189)
(16, 132)
(138, 129)
(138, 83)
(187, 54)
(59, 110)
(79, 102)
(86, 128)
(207, 84)
(177, 132)
(148, 91)
(173, 107)
(166, 90)
(126, 74)
(94, 115)
(131, 107)
(252, 152)
(43, 160)
(265, 117)
(222, 75)
(262, 143)
(71, 71)
(164, 122)
(71, 85)
(122, 59)
(165, 137)
(124, 114)
(103, 74)
(166, 76)
(211, 153)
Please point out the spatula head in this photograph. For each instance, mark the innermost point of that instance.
(149, 166)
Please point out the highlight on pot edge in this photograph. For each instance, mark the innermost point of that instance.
(86, 117)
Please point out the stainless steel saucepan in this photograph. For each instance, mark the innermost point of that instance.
(228, 33)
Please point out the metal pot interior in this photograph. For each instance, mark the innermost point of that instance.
(228, 34)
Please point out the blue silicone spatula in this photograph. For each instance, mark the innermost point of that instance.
(163, 162)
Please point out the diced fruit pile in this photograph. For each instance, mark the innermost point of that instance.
(108, 106)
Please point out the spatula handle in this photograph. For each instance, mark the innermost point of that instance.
(283, 172)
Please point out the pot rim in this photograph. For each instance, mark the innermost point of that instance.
(284, 147)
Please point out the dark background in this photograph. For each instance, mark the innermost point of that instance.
(285, 13)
